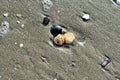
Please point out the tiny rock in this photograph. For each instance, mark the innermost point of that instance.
(5, 14)
(22, 26)
(21, 45)
(18, 22)
(18, 15)
(86, 17)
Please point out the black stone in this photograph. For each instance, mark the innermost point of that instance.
(55, 31)
(46, 21)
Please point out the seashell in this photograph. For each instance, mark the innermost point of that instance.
(46, 21)
(56, 30)
(18, 15)
(59, 40)
(69, 37)
(86, 17)
(5, 14)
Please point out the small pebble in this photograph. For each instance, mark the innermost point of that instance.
(5, 14)
(22, 26)
(18, 22)
(18, 15)
(46, 21)
(21, 45)
(86, 17)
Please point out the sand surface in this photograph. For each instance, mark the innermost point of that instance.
(39, 59)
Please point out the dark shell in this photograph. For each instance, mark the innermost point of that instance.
(46, 21)
(55, 31)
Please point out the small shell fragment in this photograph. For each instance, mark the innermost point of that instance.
(21, 45)
(18, 22)
(18, 15)
(22, 25)
(5, 14)
(86, 17)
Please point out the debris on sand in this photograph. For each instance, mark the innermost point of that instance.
(55, 76)
(18, 22)
(86, 17)
(18, 15)
(47, 4)
(46, 20)
(59, 40)
(21, 45)
(5, 14)
(22, 25)
(105, 62)
(55, 30)
(69, 37)
(4, 28)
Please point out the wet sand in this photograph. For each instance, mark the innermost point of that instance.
(39, 59)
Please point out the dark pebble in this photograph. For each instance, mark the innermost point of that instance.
(46, 21)
(55, 31)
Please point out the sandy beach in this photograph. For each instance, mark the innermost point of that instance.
(27, 51)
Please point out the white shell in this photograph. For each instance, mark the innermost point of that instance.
(18, 22)
(5, 14)
(21, 45)
(86, 16)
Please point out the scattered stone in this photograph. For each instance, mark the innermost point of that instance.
(86, 17)
(46, 20)
(18, 15)
(56, 30)
(5, 14)
(21, 45)
(105, 62)
(4, 28)
(69, 37)
(47, 4)
(59, 40)
(18, 22)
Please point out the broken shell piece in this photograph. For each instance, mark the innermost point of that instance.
(59, 40)
(22, 26)
(21, 45)
(106, 61)
(18, 15)
(5, 14)
(86, 17)
(69, 37)
(46, 21)
(18, 22)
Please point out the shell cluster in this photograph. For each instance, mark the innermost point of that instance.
(67, 38)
